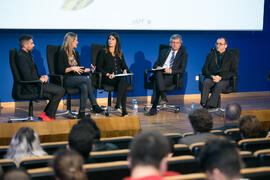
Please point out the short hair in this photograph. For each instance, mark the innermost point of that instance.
(232, 112)
(24, 144)
(24, 38)
(201, 120)
(148, 148)
(225, 40)
(81, 139)
(251, 127)
(68, 165)
(176, 36)
(220, 153)
(16, 174)
(88, 121)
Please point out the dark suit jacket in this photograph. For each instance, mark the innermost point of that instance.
(180, 61)
(28, 71)
(228, 66)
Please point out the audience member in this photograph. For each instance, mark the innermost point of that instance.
(231, 118)
(220, 159)
(24, 144)
(201, 122)
(80, 139)
(148, 156)
(251, 127)
(68, 165)
(16, 174)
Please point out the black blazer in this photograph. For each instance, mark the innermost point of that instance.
(28, 70)
(106, 64)
(228, 67)
(63, 63)
(180, 61)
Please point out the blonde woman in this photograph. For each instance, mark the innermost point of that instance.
(69, 66)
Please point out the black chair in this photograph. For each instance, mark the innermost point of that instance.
(148, 84)
(17, 89)
(263, 157)
(52, 57)
(184, 164)
(97, 78)
(254, 144)
(233, 81)
(233, 134)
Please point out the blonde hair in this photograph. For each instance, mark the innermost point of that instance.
(67, 43)
(68, 165)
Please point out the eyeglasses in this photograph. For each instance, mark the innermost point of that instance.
(219, 44)
(173, 42)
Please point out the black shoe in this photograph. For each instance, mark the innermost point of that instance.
(81, 115)
(124, 113)
(151, 112)
(163, 101)
(97, 109)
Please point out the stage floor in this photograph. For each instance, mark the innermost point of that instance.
(164, 121)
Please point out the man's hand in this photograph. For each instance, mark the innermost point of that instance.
(159, 67)
(111, 76)
(168, 70)
(217, 78)
(125, 71)
(44, 78)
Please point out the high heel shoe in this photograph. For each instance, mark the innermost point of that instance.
(124, 113)
(97, 109)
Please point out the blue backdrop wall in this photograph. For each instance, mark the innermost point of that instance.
(141, 50)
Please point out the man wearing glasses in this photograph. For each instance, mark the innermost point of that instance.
(219, 67)
(170, 61)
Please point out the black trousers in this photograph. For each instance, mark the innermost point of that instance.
(120, 84)
(161, 80)
(54, 93)
(217, 88)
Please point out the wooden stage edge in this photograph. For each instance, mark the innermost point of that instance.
(58, 130)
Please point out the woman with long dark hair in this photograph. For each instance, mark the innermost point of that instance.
(111, 62)
(69, 66)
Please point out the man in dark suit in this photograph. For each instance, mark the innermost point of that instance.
(219, 67)
(170, 62)
(29, 72)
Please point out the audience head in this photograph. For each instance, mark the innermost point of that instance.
(221, 44)
(232, 112)
(113, 41)
(88, 121)
(24, 144)
(16, 174)
(81, 139)
(26, 42)
(201, 120)
(149, 148)
(220, 159)
(176, 41)
(251, 127)
(70, 42)
(68, 165)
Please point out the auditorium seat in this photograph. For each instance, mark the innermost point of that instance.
(249, 159)
(7, 164)
(35, 162)
(181, 149)
(233, 134)
(3, 151)
(263, 157)
(196, 148)
(254, 144)
(174, 137)
(52, 147)
(122, 142)
(259, 173)
(109, 156)
(192, 176)
(216, 132)
(184, 164)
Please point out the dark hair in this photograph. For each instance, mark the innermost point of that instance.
(220, 153)
(118, 51)
(148, 148)
(201, 120)
(81, 139)
(68, 165)
(251, 127)
(16, 174)
(24, 38)
(88, 121)
(233, 111)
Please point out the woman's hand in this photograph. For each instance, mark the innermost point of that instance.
(125, 71)
(93, 68)
(78, 69)
(86, 70)
(111, 76)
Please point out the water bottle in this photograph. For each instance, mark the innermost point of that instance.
(135, 104)
(192, 106)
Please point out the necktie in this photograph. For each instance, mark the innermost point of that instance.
(172, 60)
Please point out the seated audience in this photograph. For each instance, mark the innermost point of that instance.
(98, 145)
(68, 165)
(220, 159)
(201, 122)
(251, 127)
(80, 139)
(232, 115)
(24, 144)
(16, 174)
(148, 156)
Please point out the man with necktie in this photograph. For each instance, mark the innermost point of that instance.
(170, 62)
